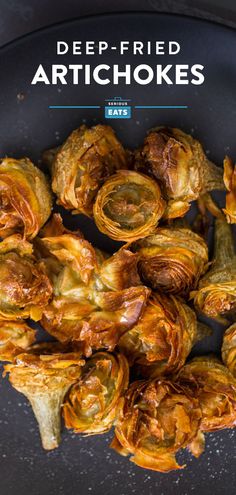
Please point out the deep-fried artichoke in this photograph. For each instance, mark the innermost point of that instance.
(93, 403)
(86, 159)
(95, 300)
(230, 184)
(24, 286)
(229, 349)
(70, 259)
(44, 374)
(158, 419)
(172, 260)
(15, 336)
(163, 337)
(180, 165)
(25, 198)
(215, 387)
(216, 294)
(128, 206)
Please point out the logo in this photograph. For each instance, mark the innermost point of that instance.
(117, 108)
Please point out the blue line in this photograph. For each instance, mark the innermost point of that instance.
(74, 106)
(161, 106)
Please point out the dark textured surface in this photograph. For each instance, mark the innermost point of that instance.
(18, 17)
(86, 465)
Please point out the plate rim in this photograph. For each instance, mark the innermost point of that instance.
(137, 13)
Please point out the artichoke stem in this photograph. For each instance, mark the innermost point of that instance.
(213, 177)
(224, 244)
(47, 410)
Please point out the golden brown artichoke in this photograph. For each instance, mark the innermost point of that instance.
(70, 259)
(25, 198)
(178, 162)
(24, 286)
(163, 337)
(128, 206)
(44, 374)
(229, 349)
(172, 259)
(99, 323)
(93, 403)
(230, 184)
(157, 420)
(15, 336)
(215, 387)
(86, 159)
(95, 299)
(216, 294)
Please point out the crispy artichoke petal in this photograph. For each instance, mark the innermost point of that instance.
(26, 200)
(163, 337)
(216, 293)
(24, 286)
(128, 206)
(215, 387)
(179, 163)
(15, 336)
(229, 349)
(157, 420)
(172, 260)
(81, 165)
(230, 184)
(93, 403)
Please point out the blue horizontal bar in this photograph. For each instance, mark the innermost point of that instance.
(161, 106)
(74, 106)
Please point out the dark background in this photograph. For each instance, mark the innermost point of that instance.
(18, 17)
(28, 470)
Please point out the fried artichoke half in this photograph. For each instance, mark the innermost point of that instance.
(128, 206)
(95, 299)
(163, 337)
(216, 293)
(70, 260)
(178, 162)
(229, 349)
(93, 403)
(172, 260)
(86, 159)
(24, 286)
(15, 336)
(25, 198)
(157, 420)
(230, 184)
(215, 387)
(44, 374)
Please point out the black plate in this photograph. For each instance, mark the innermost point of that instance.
(27, 126)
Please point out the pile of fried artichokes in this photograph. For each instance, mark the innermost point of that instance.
(122, 326)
